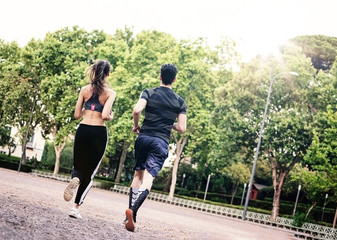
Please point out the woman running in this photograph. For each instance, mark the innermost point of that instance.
(94, 106)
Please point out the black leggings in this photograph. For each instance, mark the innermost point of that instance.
(89, 147)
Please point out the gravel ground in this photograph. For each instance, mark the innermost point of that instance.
(33, 208)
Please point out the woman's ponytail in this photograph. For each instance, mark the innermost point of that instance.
(97, 73)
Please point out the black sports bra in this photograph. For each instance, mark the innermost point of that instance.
(94, 104)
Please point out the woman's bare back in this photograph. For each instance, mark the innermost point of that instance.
(94, 117)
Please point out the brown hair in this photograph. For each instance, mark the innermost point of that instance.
(97, 73)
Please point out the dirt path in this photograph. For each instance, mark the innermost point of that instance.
(33, 208)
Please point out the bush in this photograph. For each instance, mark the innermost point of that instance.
(299, 220)
(13, 164)
(261, 204)
(66, 161)
(9, 159)
(107, 185)
(109, 179)
(182, 191)
(158, 186)
(267, 192)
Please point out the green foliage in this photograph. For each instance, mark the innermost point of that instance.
(263, 173)
(299, 219)
(266, 193)
(48, 156)
(5, 137)
(240, 105)
(322, 154)
(20, 78)
(238, 172)
(313, 183)
(107, 185)
(65, 54)
(321, 49)
(13, 163)
(192, 176)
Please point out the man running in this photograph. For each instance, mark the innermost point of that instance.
(162, 108)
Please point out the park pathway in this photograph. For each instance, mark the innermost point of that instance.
(33, 208)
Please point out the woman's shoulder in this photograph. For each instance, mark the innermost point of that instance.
(86, 92)
(109, 91)
(86, 88)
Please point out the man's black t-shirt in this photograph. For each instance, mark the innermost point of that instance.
(162, 109)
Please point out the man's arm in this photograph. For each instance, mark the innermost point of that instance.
(180, 125)
(137, 111)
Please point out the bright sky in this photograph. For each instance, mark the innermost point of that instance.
(258, 26)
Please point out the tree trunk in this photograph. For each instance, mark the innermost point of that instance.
(196, 193)
(111, 171)
(167, 185)
(311, 207)
(122, 161)
(234, 192)
(335, 219)
(24, 145)
(277, 183)
(179, 149)
(174, 177)
(23, 156)
(11, 148)
(58, 150)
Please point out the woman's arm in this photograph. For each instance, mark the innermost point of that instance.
(79, 105)
(107, 114)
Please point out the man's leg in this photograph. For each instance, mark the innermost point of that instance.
(137, 178)
(147, 180)
(143, 192)
(133, 193)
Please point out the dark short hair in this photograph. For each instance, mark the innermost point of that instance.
(168, 72)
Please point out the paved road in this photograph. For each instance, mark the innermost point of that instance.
(33, 208)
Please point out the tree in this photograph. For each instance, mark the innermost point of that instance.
(6, 139)
(240, 106)
(322, 154)
(9, 56)
(285, 142)
(237, 108)
(66, 159)
(321, 49)
(65, 54)
(238, 173)
(287, 134)
(21, 77)
(313, 183)
(201, 71)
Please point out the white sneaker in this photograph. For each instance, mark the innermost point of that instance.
(75, 213)
(69, 191)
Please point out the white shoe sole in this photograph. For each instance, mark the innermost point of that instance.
(75, 214)
(69, 191)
